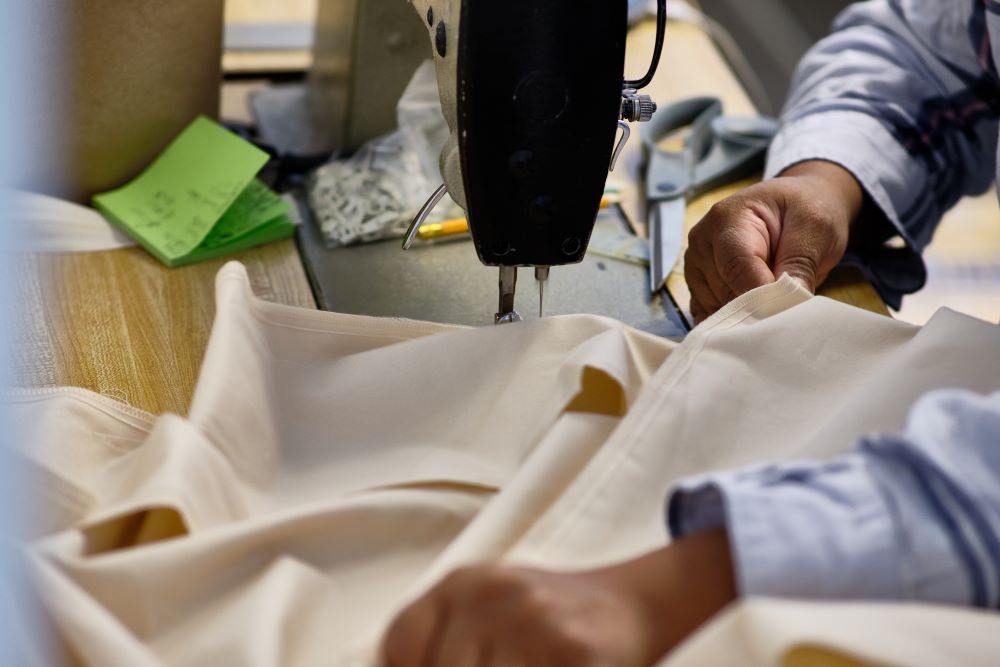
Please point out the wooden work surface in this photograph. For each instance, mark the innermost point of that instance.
(120, 323)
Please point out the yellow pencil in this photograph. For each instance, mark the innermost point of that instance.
(456, 226)
(436, 230)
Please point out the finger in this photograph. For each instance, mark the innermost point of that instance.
(506, 654)
(721, 292)
(740, 256)
(711, 304)
(461, 643)
(700, 291)
(744, 273)
(458, 640)
(808, 250)
(799, 260)
(410, 637)
(702, 262)
(697, 255)
(453, 642)
(698, 313)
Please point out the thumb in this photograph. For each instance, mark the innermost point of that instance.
(741, 258)
(743, 273)
(798, 270)
(800, 254)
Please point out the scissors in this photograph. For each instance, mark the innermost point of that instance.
(717, 150)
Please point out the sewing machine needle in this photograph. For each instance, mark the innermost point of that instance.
(542, 276)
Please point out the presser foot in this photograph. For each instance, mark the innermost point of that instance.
(508, 283)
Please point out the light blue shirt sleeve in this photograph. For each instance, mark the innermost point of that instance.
(914, 516)
(905, 95)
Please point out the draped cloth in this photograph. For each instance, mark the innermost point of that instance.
(334, 466)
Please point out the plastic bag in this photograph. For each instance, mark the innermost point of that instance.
(375, 193)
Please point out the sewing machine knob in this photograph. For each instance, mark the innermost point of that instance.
(637, 107)
(647, 107)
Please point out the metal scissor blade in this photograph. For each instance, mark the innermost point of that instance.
(666, 234)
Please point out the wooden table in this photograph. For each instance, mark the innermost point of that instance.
(121, 324)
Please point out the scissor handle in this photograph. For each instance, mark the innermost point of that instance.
(738, 148)
(698, 112)
(719, 149)
(672, 173)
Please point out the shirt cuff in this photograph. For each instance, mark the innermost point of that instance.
(887, 173)
(807, 530)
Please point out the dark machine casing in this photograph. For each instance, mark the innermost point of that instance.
(539, 97)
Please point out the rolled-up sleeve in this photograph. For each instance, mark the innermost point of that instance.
(904, 94)
(908, 517)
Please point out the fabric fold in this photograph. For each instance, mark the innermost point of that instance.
(333, 466)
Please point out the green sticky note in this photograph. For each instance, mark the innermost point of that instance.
(199, 199)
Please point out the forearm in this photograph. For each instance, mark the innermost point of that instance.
(845, 196)
(626, 615)
(910, 516)
(843, 199)
(680, 586)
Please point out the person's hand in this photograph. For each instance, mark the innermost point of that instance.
(797, 223)
(485, 616)
(628, 615)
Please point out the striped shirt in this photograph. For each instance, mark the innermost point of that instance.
(905, 95)
(910, 516)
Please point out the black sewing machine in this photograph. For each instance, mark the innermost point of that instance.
(540, 95)
(539, 98)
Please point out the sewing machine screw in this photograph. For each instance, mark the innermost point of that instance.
(571, 246)
(441, 39)
(542, 210)
(501, 248)
(522, 164)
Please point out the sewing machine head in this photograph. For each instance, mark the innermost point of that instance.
(534, 93)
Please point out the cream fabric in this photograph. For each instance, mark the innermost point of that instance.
(48, 224)
(807, 634)
(333, 466)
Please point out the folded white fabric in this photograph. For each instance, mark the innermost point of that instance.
(766, 632)
(333, 466)
(48, 224)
